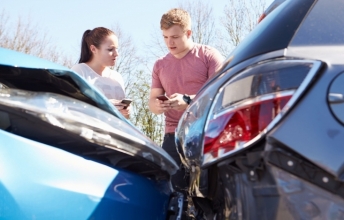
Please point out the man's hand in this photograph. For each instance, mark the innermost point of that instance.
(158, 106)
(162, 106)
(177, 102)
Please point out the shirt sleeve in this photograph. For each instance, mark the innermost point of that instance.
(79, 70)
(215, 61)
(156, 83)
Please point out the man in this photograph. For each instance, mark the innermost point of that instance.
(179, 75)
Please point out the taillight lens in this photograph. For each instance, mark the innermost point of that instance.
(246, 105)
(242, 124)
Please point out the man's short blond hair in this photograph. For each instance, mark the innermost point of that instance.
(176, 16)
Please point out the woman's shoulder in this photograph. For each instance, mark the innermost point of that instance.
(79, 67)
(84, 70)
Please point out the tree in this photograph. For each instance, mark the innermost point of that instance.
(156, 48)
(203, 21)
(137, 79)
(26, 37)
(128, 60)
(240, 17)
(150, 124)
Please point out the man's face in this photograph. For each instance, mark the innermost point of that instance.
(107, 52)
(176, 40)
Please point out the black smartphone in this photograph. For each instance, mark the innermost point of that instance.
(126, 101)
(162, 97)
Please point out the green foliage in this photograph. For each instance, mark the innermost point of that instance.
(150, 124)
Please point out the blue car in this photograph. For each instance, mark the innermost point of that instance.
(67, 153)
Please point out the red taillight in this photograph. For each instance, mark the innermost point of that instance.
(247, 106)
(261, 18)
(242, 124)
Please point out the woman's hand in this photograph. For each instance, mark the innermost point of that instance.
(124, 109)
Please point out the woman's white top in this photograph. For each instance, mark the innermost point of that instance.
(111, 83)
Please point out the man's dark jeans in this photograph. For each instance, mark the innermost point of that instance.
(179, 180)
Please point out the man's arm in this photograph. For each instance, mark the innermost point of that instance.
(215, 62)
(157, 106)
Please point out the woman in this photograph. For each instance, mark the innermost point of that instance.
(99, 51)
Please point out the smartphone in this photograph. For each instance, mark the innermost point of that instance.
(162, 97)
(126, 101)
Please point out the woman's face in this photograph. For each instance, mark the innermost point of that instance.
(107, 52)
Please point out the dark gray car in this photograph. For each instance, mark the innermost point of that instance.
(264, 138)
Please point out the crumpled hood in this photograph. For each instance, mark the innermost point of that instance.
(62, 103)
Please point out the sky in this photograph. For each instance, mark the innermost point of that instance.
(66, 20)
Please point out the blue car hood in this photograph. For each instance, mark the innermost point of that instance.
(20, 65)
(29, 84)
